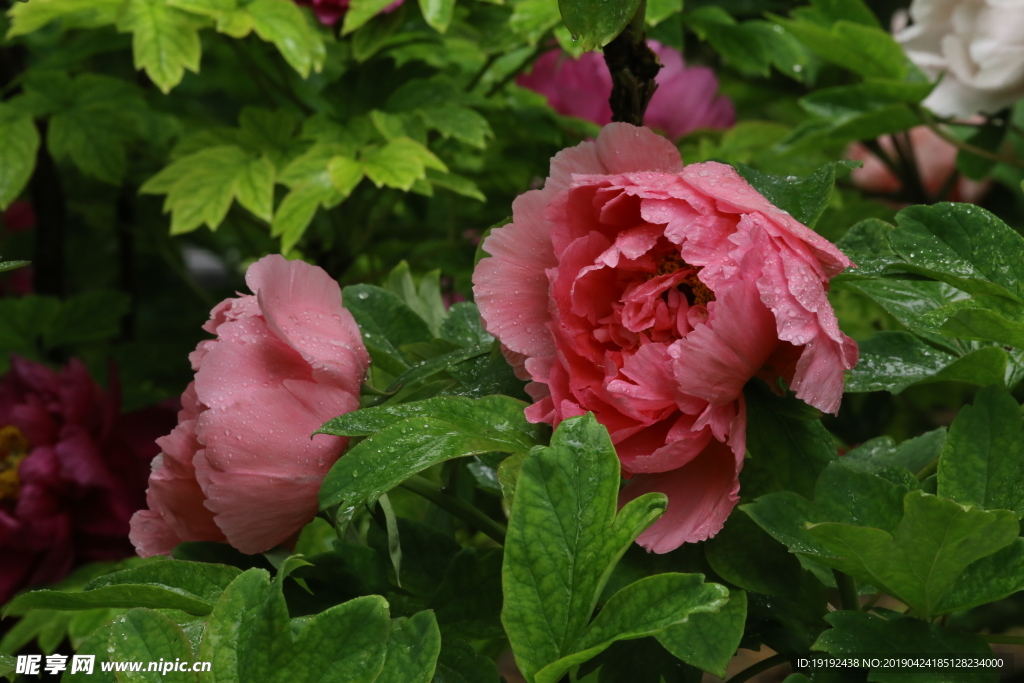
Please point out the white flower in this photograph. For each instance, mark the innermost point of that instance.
(977, 44)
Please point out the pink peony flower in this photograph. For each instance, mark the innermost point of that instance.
(649, 293)
(684, 101)
(241, 466)
(934, 158)
(72, 472)
(329, 12)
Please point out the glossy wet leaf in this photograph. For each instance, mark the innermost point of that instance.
(410, 437)
(803, 198)
(386, 324)
(982, 462)
(594, 22)
(564, 538)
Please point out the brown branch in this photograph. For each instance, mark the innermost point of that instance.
(633, 67)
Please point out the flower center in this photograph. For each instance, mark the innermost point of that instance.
(13, 449)
(696, 292)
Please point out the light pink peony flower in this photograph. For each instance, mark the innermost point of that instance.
(934, 158)
(649, 293)
(329, 12)
(240, 466)
(684, 101)
(72, 472)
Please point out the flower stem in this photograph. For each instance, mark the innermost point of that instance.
(936, 127)
(847, 591)
(633, 67)
(456, 506)
(763, 665)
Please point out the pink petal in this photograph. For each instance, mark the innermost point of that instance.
(302, 304)
(511, 287)
(700, 497)
(716, 359)
(260, 450)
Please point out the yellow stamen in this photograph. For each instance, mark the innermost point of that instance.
(13, 449)
(697, 293)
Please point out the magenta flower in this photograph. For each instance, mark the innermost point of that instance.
(649, 293)
(684, 101)
(72, 472)
(241, 466)
(329, 12)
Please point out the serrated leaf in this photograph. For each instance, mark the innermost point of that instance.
(85, 318)
(462, 123)
(345, 174)
(400, 163)
(165, 40)
(19, 142)
(30, 17)
(282, 23)
(200, 187)
(564, 538)
(982, 461)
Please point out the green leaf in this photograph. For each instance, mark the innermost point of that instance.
(7, 666)
(282, 23)
(345, 174)
(407, 438)
(459, 663)
(787, 450)
(361, 11)
(596, 23)
(19, 142)
(919, 562)
(745, 555)
(95, 118)
(742, 45)
(660, 10)
(803, 198)
(982, 461)
(464, 327)
(12, 265)
(250, 637)
(564, 538)
(913, 454)
(165, 40)
(456, 183)
(312, 186)
(645, 607)
(962, 244)
(438, 13)
(28, 18)
(468, 600)
(142, 635)
(90, 317)
(462, 123)
(156, 597)
(987, 580)
(860, 633)
(984, 317)
(425, 300)
(866, 50)
(206, 581)
(639, 661)
(895, 360)
(413, 648)
(850, 10)
(708, 640)
(400, 163)
(200, 187)
(386, 323)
